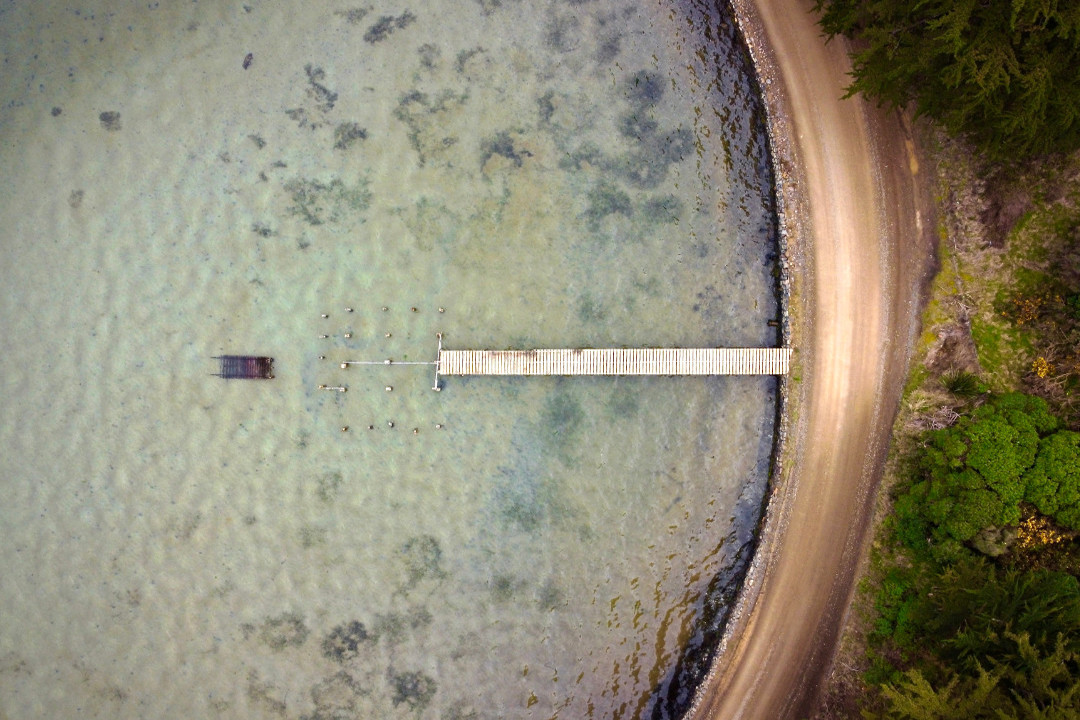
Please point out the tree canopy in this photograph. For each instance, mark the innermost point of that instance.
(1052, 484)
(1002, 72)
(992, 644)
(956, 634)
(974, 475)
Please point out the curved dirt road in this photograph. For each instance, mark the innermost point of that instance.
(859, 243)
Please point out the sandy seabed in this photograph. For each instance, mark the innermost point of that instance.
(182, 546)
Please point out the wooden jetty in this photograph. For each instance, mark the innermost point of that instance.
(616, 361)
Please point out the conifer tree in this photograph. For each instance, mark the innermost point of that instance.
(1002, 72)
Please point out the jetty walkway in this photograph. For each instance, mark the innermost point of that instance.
(616, 361)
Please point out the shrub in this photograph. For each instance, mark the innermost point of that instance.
(975, 474)
(962, 383)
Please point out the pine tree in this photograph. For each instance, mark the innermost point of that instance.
(954, 698)
(1002, 72)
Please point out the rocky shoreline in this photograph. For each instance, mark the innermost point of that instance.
(856, 225)
(795, 318)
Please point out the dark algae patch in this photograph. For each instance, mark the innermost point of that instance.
(329, 485)
(429, 55)
(317, 202)
(262, 230)
(648, 166)
(604, 199)
(503, 587)
(637, 125)
(662, 208)
(323, 96)
(347, 134)
(321, 100)
(564, 33)
(563, 417)
(286, 630)
(414, 689)
(653, 149)
(386, 25)
(462, 61)
(527, 496)
(429, 120)
(337, 697)
(110, 120)
(645, 88)
(549, 596)
(343, 643)
(421, 557)
(353, 16)
(392, 628)
(503, 145)
(312, 536)
(591, 310)
(545, 107)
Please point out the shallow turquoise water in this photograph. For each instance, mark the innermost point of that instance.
(550, 175)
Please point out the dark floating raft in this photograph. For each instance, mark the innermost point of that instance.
(245, 367)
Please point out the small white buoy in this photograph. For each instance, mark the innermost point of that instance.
(438, 426)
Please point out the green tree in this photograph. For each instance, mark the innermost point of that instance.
(956, 698)
(974, 608)
(1028, 685)
(973, 475)
(1052, 484)
(988, 641)
(1002, 72)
